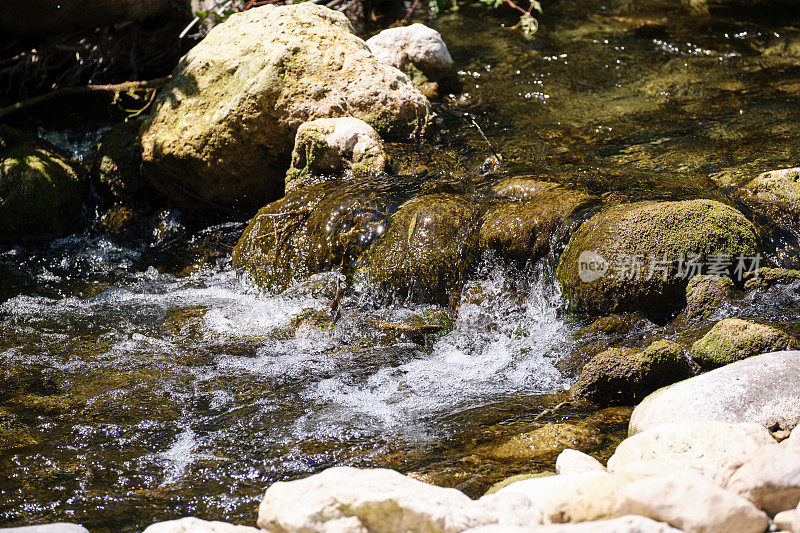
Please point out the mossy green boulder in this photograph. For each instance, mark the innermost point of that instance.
(429, 245)
(767, 277)
(221, 132)
(733, 339)
(628, 257)
(521, 224)
(311, 230)
(705, 294)
(624, 376)
(41, 195)
(775, 195)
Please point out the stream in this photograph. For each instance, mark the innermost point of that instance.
(152, 381)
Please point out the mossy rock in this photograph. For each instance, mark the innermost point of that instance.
(765, 277)
(117, 165)
(733, 339)
(521, 226)
(429, 245)
(40, 193)
(626, 239)
(775, 195)
(624, 376)
(312, 230)
(221, 132)
(330, 146)
(705, 294)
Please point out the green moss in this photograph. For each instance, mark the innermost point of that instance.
(34, 180)
(646, 230)
(732, 340)
(766, 277)
(428, 247)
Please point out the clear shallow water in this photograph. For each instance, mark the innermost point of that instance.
(143, 379)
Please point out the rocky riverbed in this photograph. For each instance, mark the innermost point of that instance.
(453, 280)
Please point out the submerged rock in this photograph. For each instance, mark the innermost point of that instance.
(40, 193)
(521, 225)
(623, 376)
(429, 244)
(418, 51)
(222, 130)
(637, 257)
(775, 195)
(760, 390)
(705, 294)
(544, 444)
(117, 166)
(333, 145)
(733, 339)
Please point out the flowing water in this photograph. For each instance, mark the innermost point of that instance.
(144, 379)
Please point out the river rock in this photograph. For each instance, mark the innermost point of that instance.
(428, 247)
(760, 389)
(375, 500)
(418, 51)
(715, 449)
(733, 339)
(60, 527)
(623, 376)
(195, 525)
(521, 225)
(607, 263)
(765, 277)
(310, 230)
(623, 524)
(572, 461)
(705, 294)
(692, 504)
(770, 478)
(775, 195)
(545, 443)
(783, 520)
(572, 497)
(222, 130)
(41, 194)
(333, 145)
(117, 165)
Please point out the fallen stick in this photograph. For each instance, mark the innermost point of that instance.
(85, 89)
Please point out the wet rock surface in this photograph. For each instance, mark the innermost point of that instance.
(732, 340)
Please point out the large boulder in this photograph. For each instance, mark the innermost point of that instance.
(333, 145)
(638, 257)
(222, 130)
(623, 376)
(623, 524)
(692, 504)
(714, 449)
(375, 500)
(760, 389)
(775, 195)
(733, 339)
(429, 245)
(418, 51)
(527, 214)
(41, 194)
